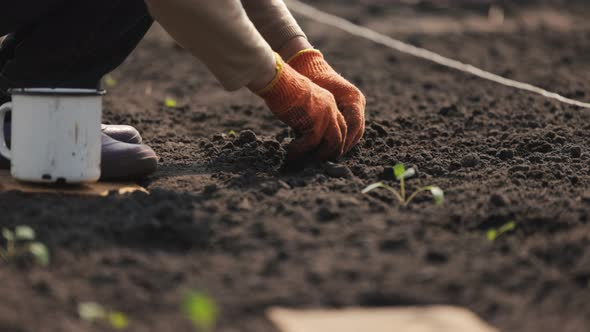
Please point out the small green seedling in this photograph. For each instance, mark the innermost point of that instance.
(93, 312)
(401, 174)
(21, 241)
(494, 233)
(232, 132)
(170, 103)
(110, 81)
(201, 310)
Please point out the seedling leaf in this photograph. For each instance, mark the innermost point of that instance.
(91, 311)
(201, 310)
(40, 252)
(511, 225)
(401, 173)
(408, 173)
(7, 234)
(232, 132)
(399, 170)
(372, 187)
(438, 194)
(493, 234)
(25, 233)
(118, 320)
(169, 102)
(110, 81)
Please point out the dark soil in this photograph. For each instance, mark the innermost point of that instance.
(223, 217)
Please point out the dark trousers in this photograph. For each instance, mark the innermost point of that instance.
(66, 43)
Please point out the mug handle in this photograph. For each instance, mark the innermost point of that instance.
(4, 151)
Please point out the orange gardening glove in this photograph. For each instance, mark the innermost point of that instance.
(349, 98)
(310, 110)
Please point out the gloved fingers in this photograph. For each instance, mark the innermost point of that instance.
(332, 145)
(363, 118)
(355, 121)
(357, 139)
(351, 103)
(343, 128)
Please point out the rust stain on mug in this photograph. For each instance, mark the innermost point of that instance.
(76, 133)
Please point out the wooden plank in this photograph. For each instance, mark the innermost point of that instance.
(8, 183)
(396, 319)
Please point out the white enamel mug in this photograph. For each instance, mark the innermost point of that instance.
(56, 135)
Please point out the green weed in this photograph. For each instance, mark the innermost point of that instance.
(110, 81)
(22, 241)
(494, 233)
(170, 103)
(93, 312)
(401, 174)
(201, 310)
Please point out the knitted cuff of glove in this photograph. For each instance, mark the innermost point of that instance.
(309, 62)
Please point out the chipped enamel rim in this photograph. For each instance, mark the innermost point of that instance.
(57, 92)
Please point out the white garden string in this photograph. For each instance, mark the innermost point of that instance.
(322, 17)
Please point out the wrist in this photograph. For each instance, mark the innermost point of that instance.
(294, 46)
(267, 76)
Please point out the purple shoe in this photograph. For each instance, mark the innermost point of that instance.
(122, 133)
(123, 158)
(125, 161)
(5, 163)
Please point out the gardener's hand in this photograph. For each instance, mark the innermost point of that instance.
(350, 99)
(310, 110)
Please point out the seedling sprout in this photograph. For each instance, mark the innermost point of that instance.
(494, 233)
(93, 312)
(401, 174)
(110, 81)
(21, 241)
(201, 310)
(170, 103)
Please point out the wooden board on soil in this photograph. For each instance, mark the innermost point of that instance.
(399, 319)
(8, 183)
